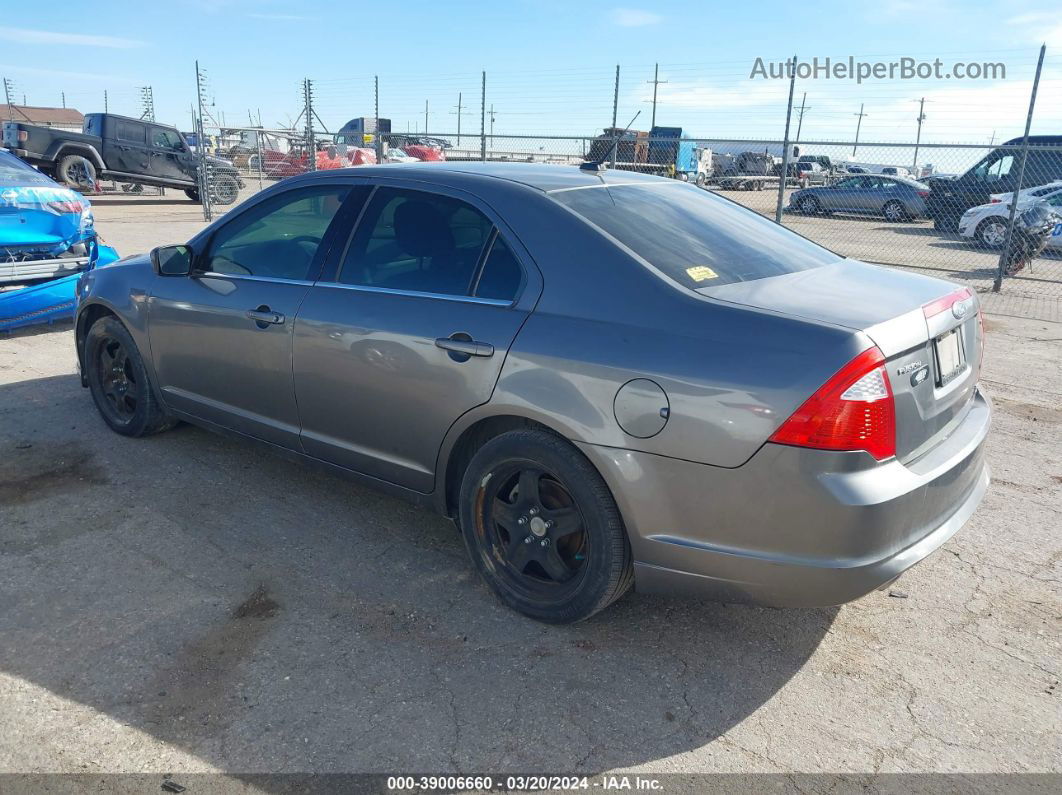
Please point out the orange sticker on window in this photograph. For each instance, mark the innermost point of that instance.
(701, 273)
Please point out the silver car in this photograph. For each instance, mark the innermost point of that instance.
(894, 198)
(605, 378)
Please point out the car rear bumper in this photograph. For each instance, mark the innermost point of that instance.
(794, 527)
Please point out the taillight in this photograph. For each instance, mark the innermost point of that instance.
(854, 410)
(995, 201)
(67, 207)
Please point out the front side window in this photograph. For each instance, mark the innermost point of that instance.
(416, 241)
(695, 238)
(278, 238)
(165, 139)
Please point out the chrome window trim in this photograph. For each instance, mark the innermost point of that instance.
(241, 277)
(467, 299)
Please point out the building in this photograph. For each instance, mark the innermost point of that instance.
(60, 118)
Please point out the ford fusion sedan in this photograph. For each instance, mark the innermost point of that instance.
(895, 198)
(606, 379)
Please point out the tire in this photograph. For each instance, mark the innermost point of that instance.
(192, 194)
(76, 172)
(119, 381)
(991, 233)
(225, 190)
(895, 212)
(700, 180)
(557, 574)
(808, 205)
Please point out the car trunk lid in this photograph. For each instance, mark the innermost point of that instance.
(928, 331)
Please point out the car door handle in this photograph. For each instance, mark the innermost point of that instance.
(265, 316)
(465, 347)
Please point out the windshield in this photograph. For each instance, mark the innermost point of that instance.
(13, 172)
(692, 236)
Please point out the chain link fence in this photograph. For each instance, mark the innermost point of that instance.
(947, 210)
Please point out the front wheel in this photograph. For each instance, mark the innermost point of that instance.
(119, 382)
(542, 528)
(992, 233)
(225, 189)
(808, 205)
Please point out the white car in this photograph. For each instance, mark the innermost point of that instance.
(987, 223)
(1029, 194)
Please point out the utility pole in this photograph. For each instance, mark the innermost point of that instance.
(460, 107)
(105, 106)
(483, 118)
(425, 116)
(785, 144)
(800, 115)
(918, 138)
(492, 124)
(615, 111)
(859, 124)
(63, 95)
(656, 81)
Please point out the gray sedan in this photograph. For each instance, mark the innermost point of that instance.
(894, 198)
(606, 379)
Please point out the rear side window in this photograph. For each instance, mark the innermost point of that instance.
(130, 131)
(416, 241)
(502, 275)
(695, 238)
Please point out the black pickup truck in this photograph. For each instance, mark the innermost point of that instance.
(120, 148)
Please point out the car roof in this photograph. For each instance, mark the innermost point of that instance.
(545, 177)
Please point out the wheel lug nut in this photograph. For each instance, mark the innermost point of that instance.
(533, 511)
(528, 540)
(522, 520)
(544, 542)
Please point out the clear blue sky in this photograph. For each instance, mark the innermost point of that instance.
(550, 64)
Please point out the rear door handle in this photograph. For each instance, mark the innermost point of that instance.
(465, 347)
(266, 317)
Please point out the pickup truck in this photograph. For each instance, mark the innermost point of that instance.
(120, 148)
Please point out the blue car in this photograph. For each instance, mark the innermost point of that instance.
(47, 238)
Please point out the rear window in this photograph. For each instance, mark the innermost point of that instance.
(692, 236)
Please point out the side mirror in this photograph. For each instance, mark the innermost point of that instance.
(172, 260)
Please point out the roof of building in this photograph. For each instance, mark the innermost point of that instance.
(32, 114)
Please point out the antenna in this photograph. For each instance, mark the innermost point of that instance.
(599, 164)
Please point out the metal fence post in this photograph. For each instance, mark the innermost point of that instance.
(483, 119)
(1021, 175)
(785, 145)
(307, 109)
(615, 112)
(376, 105)
(203, 178)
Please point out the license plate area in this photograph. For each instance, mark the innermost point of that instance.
(948, 352)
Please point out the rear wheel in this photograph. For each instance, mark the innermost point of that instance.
(77, 172)
(894, 211)
(991, 233)
(192, 194)
(808, 205)
(700, 180)
(119, 382)
(542, 528)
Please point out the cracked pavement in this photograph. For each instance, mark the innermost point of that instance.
(189, 603)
